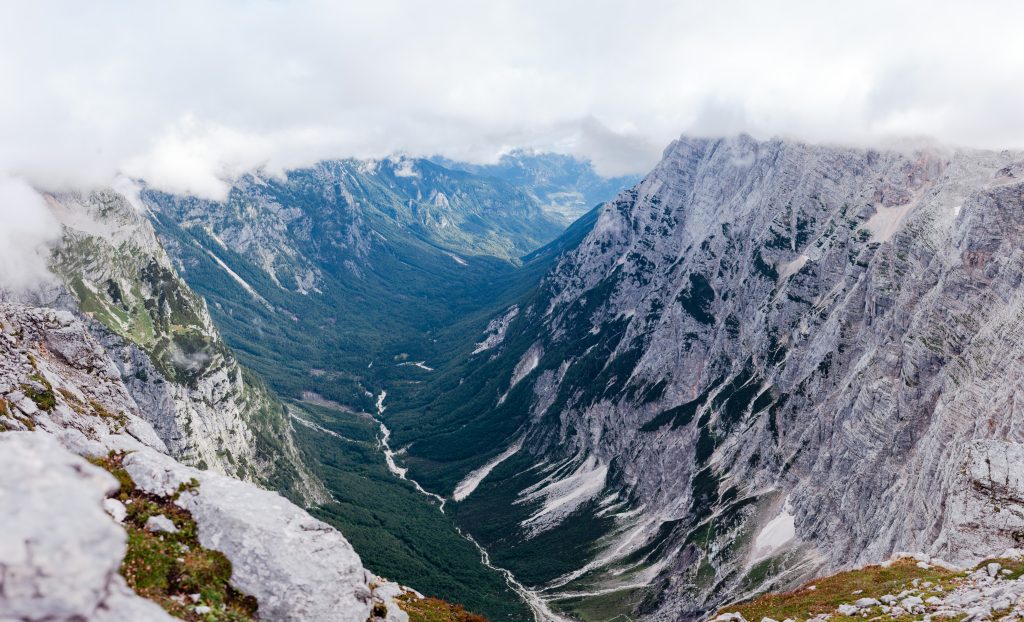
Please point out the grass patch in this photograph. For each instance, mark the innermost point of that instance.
(1015, 566)
(44, 397)
(434, 610)
(170, 568)
(830, 592)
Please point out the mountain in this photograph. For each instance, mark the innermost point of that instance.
(208, 410)
(342, 280)
(117, 363)
(765, 360)
(374, 256)
(565, 187)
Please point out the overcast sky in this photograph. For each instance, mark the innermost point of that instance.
(186, 94)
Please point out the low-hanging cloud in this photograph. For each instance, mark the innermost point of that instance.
(27, 231)
(189, 94)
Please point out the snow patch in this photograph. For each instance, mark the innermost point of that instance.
(778, 532)
(563, 495)
(471, 481)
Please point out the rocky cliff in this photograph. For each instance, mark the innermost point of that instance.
(64, 540)
(209, 411)
(767, 359)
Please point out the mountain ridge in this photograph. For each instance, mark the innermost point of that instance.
(687, 331)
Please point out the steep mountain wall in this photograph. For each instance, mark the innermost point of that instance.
(767, 359)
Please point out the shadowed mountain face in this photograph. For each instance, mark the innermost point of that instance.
(766, 359)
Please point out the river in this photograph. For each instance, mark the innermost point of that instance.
(537, 605)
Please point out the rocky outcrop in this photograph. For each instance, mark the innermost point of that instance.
(774, 333)
(297, 567)
(61, 546)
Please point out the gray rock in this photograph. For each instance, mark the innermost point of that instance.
(160, 524)
(213, 415)
(867, 602)
(115, 509)
(59, 551)
(27, 407)
(871, 299)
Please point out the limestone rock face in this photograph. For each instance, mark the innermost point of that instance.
(59, 551)
(297, 567)
(775, 333)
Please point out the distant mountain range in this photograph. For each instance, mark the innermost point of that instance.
(565, 187)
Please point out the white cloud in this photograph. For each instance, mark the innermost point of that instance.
(189, 93)
(27, 230)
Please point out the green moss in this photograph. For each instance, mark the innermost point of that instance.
(167, 568)
(431, 610)
(121, 419)
(44, 398)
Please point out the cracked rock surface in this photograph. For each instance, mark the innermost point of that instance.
(59, 551)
